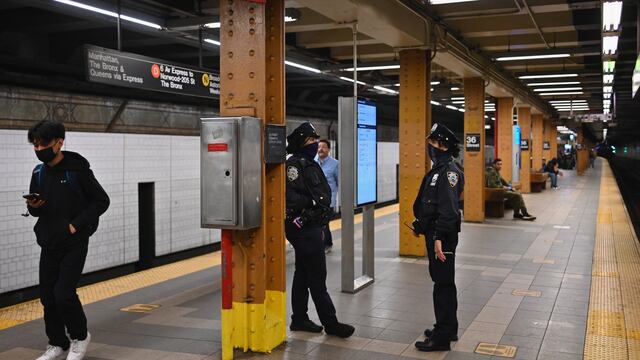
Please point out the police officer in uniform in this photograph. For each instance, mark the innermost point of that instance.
(308, 211)
(437, 213)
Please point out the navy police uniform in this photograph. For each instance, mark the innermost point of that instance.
(308, 201)
(436, 209)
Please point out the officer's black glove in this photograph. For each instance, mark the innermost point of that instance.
(417, 228)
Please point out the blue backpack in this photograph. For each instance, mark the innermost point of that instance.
(71, 178)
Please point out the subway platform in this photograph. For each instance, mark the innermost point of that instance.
(563, 287)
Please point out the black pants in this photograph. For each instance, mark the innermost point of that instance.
(328, 238)
(445, 301)
(60, 272)
(310, 275)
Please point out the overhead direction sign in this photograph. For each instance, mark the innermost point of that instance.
(118, 68)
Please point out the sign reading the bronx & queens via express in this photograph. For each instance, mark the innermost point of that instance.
(140, 72)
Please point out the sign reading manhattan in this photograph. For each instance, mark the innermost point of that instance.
(136, 71)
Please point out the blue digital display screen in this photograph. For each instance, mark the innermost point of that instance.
(516, 135)
(367, 154)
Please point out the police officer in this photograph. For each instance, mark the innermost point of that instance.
(308, 211)
(437, 213)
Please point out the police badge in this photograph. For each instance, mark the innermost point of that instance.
(453, 178)
(292, 173)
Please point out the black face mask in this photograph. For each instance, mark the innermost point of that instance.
(46, 155)
(434, 152)
(310, 151)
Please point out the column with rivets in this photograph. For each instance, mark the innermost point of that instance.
(524, 120)
(537, 135)
(474, 165)
(252, 84)
(415, 122)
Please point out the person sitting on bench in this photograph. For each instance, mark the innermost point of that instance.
(494, 180)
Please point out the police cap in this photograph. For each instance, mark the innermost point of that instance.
(299, 135)
(442, 133)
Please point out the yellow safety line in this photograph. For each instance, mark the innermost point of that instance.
(31, 310)
(613, 325)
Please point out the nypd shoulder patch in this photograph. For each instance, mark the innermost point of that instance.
(292, 173)
(453, 178)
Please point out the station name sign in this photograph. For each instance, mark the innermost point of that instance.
(118, 68)
(472, 142)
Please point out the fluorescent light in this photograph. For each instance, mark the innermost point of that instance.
(289, 19)
(611, 12)
(435, 83)
(490, 110)
(451, 107)
(213, 25)
(607, 89)
(606, 95)
(398, 84)
(382, 88)
(494, 119)
(381, 67)
(455, 88)
(609, 44)
(110, 13)
(606, 111)
(303, 67)
(351, 80)
(609, 66)
(562, 93)
(458, 98)
(487, 127)
(550, 76)
(486, 116)
(607, 79)
(441, 2)
(435, 103)
(566, 101)
(532, 57)
(461, 110)
(211, 41)
(606, 102)
(555, 83)
(558, 89)
(458, 102)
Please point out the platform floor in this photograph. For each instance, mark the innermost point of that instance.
(520, 284)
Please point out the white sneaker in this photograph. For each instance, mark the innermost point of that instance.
(52, 353)
(78, 348)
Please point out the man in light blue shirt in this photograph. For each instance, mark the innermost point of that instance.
(329, 166)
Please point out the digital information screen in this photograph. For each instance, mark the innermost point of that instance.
(367, 154)
(118, 68)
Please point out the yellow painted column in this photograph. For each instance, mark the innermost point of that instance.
(524, 120)
(504, 126)
(252, 84)
(537, 128)
(474, 165)
(415, 122)
(546, 139)
(553, 136)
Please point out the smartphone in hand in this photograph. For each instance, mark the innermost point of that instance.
(32, 197)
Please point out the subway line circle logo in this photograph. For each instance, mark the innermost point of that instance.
(205, 79)
(155, 71)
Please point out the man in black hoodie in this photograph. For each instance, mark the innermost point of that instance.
(68, 203)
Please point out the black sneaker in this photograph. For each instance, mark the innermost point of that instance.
(517, 215)
(429, 345)
(340, 330)
(528, 217)
(429, 332)
(305, 325)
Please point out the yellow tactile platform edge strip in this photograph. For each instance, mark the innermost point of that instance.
(613, 326)
(31, 310)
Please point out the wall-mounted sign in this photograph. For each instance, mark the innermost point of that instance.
(524, 144)
(472, 142)
(546, 145)
(118, 68)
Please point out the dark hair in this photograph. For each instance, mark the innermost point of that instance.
(326, 142)
(496, 161)
(45, 131)
(454, 150)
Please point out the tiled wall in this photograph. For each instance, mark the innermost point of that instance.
(120, 162)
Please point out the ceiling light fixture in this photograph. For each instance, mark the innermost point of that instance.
(550, 76)
(435, 103)
(380, 67)
(532, 57)
(566, 101)
(110, 13)
(382, 88)
(458, 102)
(555, 83)
(451, 107)
(558, 89)
(435, 83)
(607, 89)
(216, 25)
(461, 110)
(441, 2)
(303, 67)
(608, 66)
(351, 80)
(611, 13)
(455, 88)
(609, 44)
(458, 98)
(606, 95)
(562, 93)
(607, 79)
(211, 41)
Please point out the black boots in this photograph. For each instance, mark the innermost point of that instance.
(340, 330)
(524, 216)
(429, 333)
(305, 325)
(430, 345)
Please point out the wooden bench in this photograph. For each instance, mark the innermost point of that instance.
(494, 202)
(538, 181)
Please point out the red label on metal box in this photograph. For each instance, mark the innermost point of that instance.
(218, 147)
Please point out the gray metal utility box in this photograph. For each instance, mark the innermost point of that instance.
(230, 172)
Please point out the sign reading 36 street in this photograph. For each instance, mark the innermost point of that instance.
(136, 71)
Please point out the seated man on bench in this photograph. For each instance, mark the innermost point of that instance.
(494, 180)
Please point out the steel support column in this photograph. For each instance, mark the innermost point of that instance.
(546, 153)
(252, 83)
(415, 122)
(474, 165)
(524, 120)
(504, 124)
(537, 133)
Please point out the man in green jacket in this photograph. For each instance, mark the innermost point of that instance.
(494, 180)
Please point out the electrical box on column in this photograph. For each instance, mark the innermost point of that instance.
(230, 172)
